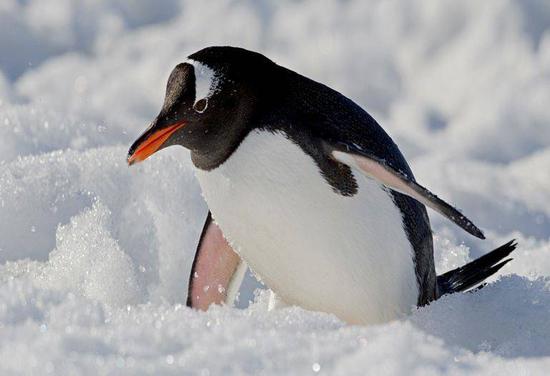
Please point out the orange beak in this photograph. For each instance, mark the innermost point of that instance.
(148, 144)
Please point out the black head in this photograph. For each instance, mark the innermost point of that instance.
(211, 100)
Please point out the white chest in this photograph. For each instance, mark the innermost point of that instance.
(315, 248)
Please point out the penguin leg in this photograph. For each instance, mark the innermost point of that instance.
(217, 271)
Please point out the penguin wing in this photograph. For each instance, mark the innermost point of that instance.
(217, 271)
(376, 168)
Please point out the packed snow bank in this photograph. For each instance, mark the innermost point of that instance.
(62, 333)
(93, 217)
(94, 256)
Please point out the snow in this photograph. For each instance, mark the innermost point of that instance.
(94, 256)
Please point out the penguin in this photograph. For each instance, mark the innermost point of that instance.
(304, 187)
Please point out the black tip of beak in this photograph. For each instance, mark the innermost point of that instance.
(139, 141)
(152, 140)
(135, 145)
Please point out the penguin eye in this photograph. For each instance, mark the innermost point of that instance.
(200, 105)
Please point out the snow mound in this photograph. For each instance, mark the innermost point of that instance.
(92, 216)
(88, 260)
(61, 333)
(94, 256)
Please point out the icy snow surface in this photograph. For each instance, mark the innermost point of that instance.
(94, 256)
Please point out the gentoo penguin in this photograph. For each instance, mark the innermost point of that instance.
(304, 187)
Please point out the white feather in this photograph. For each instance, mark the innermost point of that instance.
(314, 247)
(206, 81)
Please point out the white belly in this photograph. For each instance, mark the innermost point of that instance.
(315, 248)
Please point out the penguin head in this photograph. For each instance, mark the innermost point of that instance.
(209, 106)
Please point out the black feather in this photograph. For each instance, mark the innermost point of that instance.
(475, 272)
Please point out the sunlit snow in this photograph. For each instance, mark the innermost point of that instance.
(95, 257)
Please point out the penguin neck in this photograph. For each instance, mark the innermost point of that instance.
(216, 149)
(219, 149)
(212, 159)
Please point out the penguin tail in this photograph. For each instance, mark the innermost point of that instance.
(469, 275)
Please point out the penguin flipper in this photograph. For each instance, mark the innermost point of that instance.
(217, 271)
(376, 168)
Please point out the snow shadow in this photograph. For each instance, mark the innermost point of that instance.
(509, 318)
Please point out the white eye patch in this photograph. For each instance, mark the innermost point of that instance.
(206, 81)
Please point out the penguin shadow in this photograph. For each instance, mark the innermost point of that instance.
(509, 318)
(249, 290)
